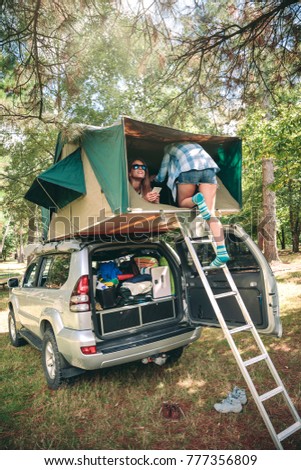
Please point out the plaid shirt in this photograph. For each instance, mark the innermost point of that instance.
(180, 157)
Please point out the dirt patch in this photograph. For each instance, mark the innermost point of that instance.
(279, 267)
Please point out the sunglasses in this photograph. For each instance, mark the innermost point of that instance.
(136, 167)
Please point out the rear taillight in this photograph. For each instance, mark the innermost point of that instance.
(88, 350)
(80, 300)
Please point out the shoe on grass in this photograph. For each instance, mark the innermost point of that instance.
(239, 394)
(228, 405)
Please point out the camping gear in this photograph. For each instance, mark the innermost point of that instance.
(129, 267)
(106, 296)
(161, 282)
(108, 271)
(140, 278)
(86, 191)
(139, 287)
(146, 262)
(163, 262)
(124, 277)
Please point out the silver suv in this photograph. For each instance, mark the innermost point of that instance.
(89, 304)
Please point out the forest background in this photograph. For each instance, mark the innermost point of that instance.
(218, 67)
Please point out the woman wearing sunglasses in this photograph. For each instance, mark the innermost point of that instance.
(139, 179)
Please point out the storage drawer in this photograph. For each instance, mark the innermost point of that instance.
(158, 311)
(120, 320)
(124, 318)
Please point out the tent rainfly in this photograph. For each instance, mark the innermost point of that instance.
(87, 189)
(60, 184)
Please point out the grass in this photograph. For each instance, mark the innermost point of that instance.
(7, 270)
(119, 408)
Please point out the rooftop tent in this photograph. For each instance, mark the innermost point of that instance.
(148, 141)
(110, 205)
(105, 149)
(60, 184)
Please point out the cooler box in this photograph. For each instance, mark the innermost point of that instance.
(161, 282)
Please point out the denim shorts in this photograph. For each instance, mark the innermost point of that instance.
(197, 176)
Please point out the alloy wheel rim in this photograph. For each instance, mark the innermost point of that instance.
(12, 328)
(50, 360)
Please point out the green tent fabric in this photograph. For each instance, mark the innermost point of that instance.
(105, 149)
(60, 184)
(45, 215)
(230, 163)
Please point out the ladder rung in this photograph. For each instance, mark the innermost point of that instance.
(213, 268)
(288, 431)
(271, 393)
(255, 359)
(225, 294)
(194, 241)
(240, 328)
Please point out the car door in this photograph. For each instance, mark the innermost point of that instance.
(53, 274)
(25, 295)
(252, 276)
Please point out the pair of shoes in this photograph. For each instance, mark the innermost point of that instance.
(171, 411)
(199, 200)
(233, 403)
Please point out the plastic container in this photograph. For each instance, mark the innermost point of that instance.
(106, 297)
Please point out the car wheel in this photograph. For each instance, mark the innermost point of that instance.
(51, 360)
(14, 336)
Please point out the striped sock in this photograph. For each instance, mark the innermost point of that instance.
(198, 199)
(221, 256)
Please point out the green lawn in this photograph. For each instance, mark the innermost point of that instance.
(119, 408)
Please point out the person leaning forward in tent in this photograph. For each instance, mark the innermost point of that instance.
(139, 179)
(189, 167)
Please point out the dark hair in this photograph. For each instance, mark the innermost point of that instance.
(145, 184)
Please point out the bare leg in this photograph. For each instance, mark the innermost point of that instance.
(185, 199)
(206, 205)
(185, 193)
(209, 193)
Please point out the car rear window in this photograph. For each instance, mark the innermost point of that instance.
(54, 271)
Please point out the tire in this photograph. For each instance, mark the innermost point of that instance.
(14, 336)
(51, 361)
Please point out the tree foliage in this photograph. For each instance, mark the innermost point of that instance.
(233, 52)
(194, 65)
(276, 136)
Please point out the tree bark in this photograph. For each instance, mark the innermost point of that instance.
(282, 238)
(268, 223)
(4, 236)
(21, 252)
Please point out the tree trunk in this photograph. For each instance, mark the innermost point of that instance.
(267, 226)
(296, 241)
(33, 235)
(295, 228)
(4, 236)
(282, 239)
(21, 252)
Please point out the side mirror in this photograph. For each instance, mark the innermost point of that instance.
(13, 282)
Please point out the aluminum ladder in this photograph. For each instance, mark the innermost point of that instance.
(230, 333)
